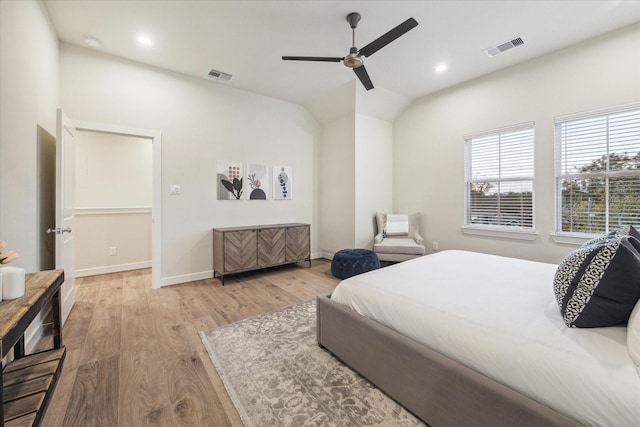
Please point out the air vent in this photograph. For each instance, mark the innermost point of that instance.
(219, 75)
(503, 47)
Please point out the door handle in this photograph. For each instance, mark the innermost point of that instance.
(59, 230)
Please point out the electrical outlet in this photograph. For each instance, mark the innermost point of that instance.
(113, 251)
(175, 190)
(434, 246)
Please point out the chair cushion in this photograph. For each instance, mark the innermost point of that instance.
(399, 245)
(350, 262)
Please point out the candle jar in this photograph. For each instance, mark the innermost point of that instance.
(12, 282)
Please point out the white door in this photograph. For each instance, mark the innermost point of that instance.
(65, 209)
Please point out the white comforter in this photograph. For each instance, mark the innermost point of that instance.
(498, 316)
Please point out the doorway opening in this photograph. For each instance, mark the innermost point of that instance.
(117, 200)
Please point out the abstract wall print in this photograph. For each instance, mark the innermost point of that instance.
(282, 182)
(257, 181)
(229, 180)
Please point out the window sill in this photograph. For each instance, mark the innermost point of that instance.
(501, 233)
(571, 238)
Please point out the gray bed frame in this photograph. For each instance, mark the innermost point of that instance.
(438, 390)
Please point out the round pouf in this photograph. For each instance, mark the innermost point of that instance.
(350, 262)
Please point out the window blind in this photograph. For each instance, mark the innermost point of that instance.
(598, 172)
(499, 175)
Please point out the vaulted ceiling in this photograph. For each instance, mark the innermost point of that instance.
(247, 38)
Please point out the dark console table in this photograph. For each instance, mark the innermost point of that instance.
(26, 383)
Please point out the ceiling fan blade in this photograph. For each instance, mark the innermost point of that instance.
(388, 37)
(311, 58)
(362, 74)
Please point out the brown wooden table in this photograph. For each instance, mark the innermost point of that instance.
(26, 383)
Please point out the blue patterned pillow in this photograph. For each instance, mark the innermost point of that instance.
(599, 284)
(624, 231)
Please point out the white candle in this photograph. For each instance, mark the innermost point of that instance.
(12, 282)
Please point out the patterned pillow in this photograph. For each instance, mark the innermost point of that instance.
(633, 336)
(598, 285)
(625, 231)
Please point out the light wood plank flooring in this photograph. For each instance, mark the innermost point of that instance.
(134, 357)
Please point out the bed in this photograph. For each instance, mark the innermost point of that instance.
(462, 338)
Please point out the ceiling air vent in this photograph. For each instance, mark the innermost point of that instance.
(503, 47)
(219, 76)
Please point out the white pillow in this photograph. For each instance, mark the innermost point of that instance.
(397, 225)
(633, 335)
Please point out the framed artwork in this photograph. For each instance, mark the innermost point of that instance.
(282, 182)
(229, 180)
(257, 181)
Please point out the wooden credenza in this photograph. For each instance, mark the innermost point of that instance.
(238, 249)
(26, 383)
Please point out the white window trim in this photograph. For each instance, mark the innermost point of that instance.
(503, 232)
(567, 237)
(500, 232)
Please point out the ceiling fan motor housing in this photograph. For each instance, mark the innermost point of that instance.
(353, 59)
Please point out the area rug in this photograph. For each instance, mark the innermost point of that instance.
(277, 375)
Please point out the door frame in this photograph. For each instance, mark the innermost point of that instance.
(156, 203)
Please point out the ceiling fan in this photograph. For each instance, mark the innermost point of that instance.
(355, 57)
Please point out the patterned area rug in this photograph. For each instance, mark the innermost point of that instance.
(277, 375)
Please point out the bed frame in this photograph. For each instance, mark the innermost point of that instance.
(438, 390)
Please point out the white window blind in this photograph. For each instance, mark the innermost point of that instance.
(499, 177)
(598, 172)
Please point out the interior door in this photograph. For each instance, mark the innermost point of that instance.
(65, 209)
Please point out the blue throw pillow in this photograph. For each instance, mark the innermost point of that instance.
(599, 284)
(624, 231)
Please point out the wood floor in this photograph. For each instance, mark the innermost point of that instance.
(134, 357)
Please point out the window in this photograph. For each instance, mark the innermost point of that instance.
(598, 171)
(499, 179)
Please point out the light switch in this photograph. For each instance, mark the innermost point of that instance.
(174, 189)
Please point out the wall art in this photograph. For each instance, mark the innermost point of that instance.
(257, 181)
(229, 180)
(282, 182)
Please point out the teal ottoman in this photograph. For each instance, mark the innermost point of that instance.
(350, 262)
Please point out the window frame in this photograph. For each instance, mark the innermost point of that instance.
(575, 237)
(493, 230)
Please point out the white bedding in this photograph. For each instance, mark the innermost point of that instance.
(498, 316)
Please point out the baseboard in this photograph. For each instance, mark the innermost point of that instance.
(203, 275)
(33, 336)
(327, 254)
(112, 268)
(184, 278)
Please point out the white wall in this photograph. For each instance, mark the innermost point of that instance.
(28, 101)
(28, 98)
(373, 175)
(337, 198)
(428, 136)
(201, 122)
(113, 203)
(113, 171)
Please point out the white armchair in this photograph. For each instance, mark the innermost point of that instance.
(396, 241)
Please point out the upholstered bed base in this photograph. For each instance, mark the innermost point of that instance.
(438, 390)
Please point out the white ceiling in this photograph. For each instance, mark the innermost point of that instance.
(248, 38)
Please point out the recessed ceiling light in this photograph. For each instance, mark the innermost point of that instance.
(441, 68)
(92, 41)
(144, 40)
